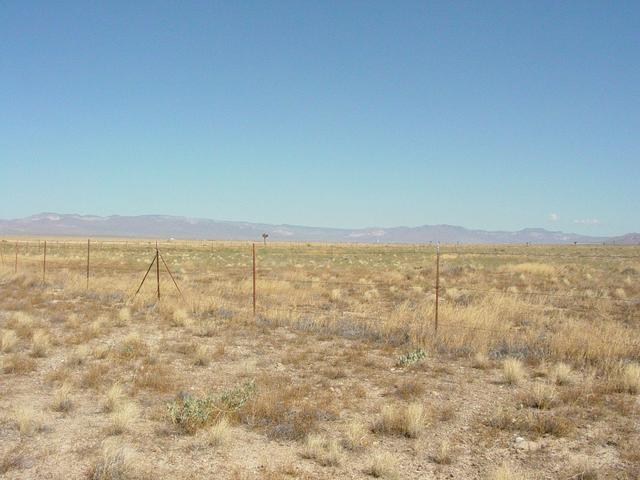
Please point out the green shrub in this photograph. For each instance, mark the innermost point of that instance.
(411, 357)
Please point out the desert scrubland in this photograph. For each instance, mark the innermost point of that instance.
(533, 372)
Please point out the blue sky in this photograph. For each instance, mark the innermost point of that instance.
(495, 115)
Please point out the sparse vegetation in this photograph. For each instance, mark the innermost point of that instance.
(383, 465)
(122, 417)
(513, 371)
(62, 399)
(401, 420)
(350, 374)
(28, 420)
(411, 357)
(117, 462)
(325, 451)
(219, 433)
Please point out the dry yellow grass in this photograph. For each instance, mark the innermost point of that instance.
(540, 396)
(117, 462)
(8, 342)
(443, 454)
(62, 399)
(217, 434)
(40, 344)
(505, 472)
(383, 465)
(513, 371)
(326, 452)
(401, 420)
(115, 396)
(123, 415)
(332, 322)
(28, 420)
(626, 378)
(356, 436)
(562, 374)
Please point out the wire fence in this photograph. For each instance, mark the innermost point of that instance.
(243, 262)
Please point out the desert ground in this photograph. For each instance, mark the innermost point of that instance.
(532, 373)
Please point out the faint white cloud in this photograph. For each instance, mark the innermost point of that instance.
(554, 217)
(587, 221)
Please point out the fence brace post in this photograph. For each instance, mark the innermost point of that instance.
(158, 270)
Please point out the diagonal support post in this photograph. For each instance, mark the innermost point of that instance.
(145, 276)
(172, 278)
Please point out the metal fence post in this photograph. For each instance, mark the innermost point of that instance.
(158, 270)
(437, 285)
(254, 279)
(88, 259)
(44, 262)
(15, 269)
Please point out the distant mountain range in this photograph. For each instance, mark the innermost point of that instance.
(166, 226)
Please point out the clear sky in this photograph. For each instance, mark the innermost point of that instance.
(494, 115)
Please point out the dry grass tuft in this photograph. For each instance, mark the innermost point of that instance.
(383, 465)
(201, 356)
(122, 417)
(281, 408)
(505, 472)
(156, 376)
(181, 318)
(115, 395)
(117, 462)
(8, 342)
(582, 468)
(325, 451)
(539, 396)
(218, 434)
(17, 363)
(410, 390)
(443, 454)
(480, 361)
(28, 420)
(561, 374)
(513, 371)
(356, 436)
(94, 376)
(123, 318)
(625, 379)
(79, 356)
(40, 344)
(532, 268)
(132, 346)
(62, 399)
(401, 420)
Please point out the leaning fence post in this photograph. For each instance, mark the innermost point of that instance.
(44, 262)
(254, 280)
(437, 285)
(158, 270)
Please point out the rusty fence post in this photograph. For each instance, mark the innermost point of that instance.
(254, 280)
(158, 269)
(437, 285)
(15, 268)
(88, 259)
(44, 262)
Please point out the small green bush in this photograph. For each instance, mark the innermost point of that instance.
(191, 413)
(411, 357)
